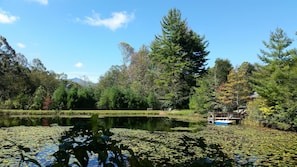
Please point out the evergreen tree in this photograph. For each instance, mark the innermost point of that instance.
(221, 70)
(201, 100)
(179, 56)
(275, 81)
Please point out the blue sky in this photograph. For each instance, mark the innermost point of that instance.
(81, 38)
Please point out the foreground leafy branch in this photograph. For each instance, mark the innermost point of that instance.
(90, 143)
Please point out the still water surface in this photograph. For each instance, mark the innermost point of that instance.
(139, 122)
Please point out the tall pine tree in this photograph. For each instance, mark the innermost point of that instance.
(179, 57)
(276, 79)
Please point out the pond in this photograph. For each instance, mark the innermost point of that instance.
(39, 134)
(150, 123)
(161, 140)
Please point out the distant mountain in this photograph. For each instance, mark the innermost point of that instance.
(81, 82)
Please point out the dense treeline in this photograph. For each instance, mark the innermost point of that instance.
(170, 73)
(161, 76)
(31, 86)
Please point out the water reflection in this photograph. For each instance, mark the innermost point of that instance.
(44, 122)
(144, 123)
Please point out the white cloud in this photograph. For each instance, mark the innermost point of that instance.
(21, 45)
(78, 65)
(6, 18)
(42, 2)
(118, 20)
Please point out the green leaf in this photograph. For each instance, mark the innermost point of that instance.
(81, 155)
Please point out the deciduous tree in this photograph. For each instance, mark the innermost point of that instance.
(236, 92)
(39, 97)
(60, 97)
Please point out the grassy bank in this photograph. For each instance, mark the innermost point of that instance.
(79, 112)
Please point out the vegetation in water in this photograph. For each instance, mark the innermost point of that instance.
(239, 145)
(211, 146)
(89, 143)
(21, 143)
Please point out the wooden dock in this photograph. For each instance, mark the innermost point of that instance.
(232, 116)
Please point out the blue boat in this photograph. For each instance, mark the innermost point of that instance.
(223, 122)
